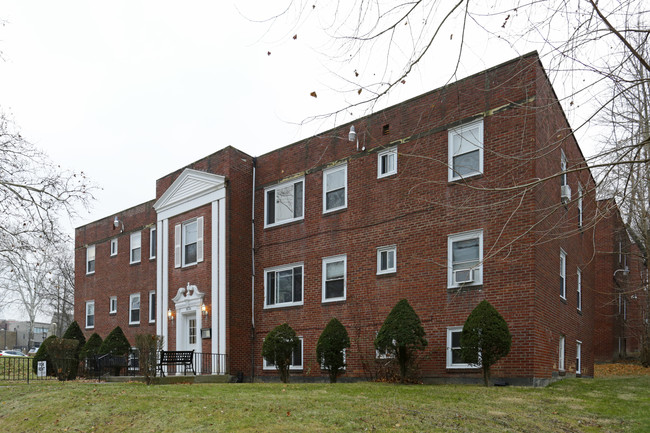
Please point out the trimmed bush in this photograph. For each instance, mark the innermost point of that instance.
(485, 338)
(63, 352)
(278, 347)
(401, 335)
(91, 348)
(74, 332)
(330, 348)
(115, 344)
(43, 355)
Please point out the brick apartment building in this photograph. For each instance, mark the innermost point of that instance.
(477, 190)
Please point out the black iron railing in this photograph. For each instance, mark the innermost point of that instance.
(21, 368)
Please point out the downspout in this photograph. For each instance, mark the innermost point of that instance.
(253, 277)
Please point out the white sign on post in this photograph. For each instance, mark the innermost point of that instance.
(41, 369)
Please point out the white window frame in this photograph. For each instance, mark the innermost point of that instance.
(561, 353)
(334, 259)
(326, 173)
(152, 304)
(563, 168)
(562, 274)
(153, 243)
(131, 309)
(579, 290)
(387, 250)
(450, 360)
(580, 199)
(90, 258)
(388, 154)
(135, 245)
(477, 270)
(578, 357)
(184, 227)
(113, 247)
(460, 130)
(277, 269)
(267, 205)
(90, 312)
(270, 366)
(112, 305)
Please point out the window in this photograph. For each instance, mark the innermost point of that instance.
(334, 276)
(386, 260)
(465, 259)
(454, 357)
(90, 314)
(335, 184)
(113, 247)
(153, 243)
(578, 357)
(466, 150)
(112, 305)
(563, 168)
(562, 274)
(579, 297)
(283, 285)
(296, 359)
(387, 162)
(561, 354)
(284, 203)
(188, 243)
(90, 260)
(580, 205)
(136, 250)
(134, 309)
(152, 307)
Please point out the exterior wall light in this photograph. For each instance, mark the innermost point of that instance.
(204, 310)
(117, 223)
(170, 315)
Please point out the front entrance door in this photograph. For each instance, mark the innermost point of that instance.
(189, 337)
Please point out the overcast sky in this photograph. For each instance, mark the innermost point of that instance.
(128, 91)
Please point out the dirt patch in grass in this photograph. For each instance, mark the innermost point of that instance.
(623, 368)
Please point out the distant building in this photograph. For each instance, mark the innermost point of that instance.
(21, 338)
(437, 200)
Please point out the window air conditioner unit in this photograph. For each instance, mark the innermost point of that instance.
(462, 276)
(565, 193)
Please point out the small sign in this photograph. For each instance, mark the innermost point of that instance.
(41, 369)
(206, 333)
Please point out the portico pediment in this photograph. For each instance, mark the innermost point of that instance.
(190, 187)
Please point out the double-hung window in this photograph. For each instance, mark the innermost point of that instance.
(387, 162)
(134, 309)
(296, 359)
(563, 168)
(335, 186)
(188, 243)
(466, 150)
(152, 306)
(579, 294)
(465, 259)
(283, 286)
(284, 203)
(578, 357)
(90, 314)
(112, 307)
(90, 259)
(334, 278)
(454, 356)
(561, 348)
(562, 274)
(580, 214)
(386, 260)
(153, 243)
(113, 247)
(136, 247)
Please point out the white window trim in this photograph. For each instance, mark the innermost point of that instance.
(152, 238)
(112, 310)
(380, 155)
(152, 315)
(478, 270)
(131, 297)
(136, 238)
(564, 180)
(90, 248)
(580, 210)
(579, 290)
(114, 245)
(450, 364)
(284, 268)
(561, 354)
(180, 242)
(387, 249)
(283, 185)
(563, 274)
(578, 357)
(268, 366)
(459, 130)
(332, 259)
(344, 168)
(89, 304)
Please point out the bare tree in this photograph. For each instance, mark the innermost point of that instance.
(59, 294)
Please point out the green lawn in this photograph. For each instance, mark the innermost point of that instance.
(572, 405)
